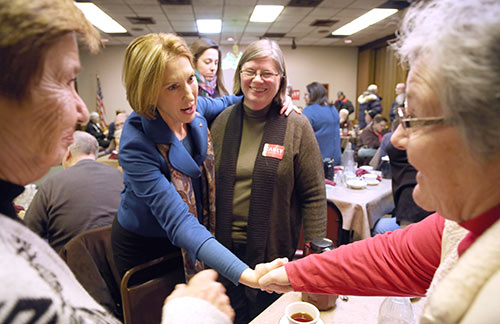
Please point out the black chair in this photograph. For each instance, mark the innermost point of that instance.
(145, 287)
(334, 230)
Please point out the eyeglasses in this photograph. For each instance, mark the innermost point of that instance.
(266, 75)
(409, 122)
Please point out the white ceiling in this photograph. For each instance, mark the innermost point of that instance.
(235, 14)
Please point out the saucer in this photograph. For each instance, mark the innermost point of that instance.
(356, 184)
(284, 320)
(372, 183)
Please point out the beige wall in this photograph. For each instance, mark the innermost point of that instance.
(108, 65)
(336, 66)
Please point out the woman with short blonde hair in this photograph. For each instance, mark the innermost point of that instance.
(167, 159)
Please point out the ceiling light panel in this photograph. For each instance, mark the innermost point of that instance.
(209, 26)
(99, 18)
(371, 17)
(264, 13)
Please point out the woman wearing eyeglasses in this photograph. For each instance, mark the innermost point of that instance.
(269, 173)
(450, 132)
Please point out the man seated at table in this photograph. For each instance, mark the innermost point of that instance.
(95, 130)
(114, 144)
(370, 139)
(85, 195)
(112, 126)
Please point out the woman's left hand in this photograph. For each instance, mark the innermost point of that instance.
(288, 107)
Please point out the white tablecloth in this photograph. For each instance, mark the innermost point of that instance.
(361, 208)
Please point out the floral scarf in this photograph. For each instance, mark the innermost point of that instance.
(206, 88)
(182, 184)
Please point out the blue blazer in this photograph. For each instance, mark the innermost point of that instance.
(150, 205)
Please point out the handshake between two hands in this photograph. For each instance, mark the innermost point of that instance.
(268, 277)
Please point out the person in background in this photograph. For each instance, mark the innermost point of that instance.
(452, 138)
(207, 62)
(112, 126)
(167, 159)
(344, 121)
(85, 195)
(324, 120)
(95, 130)
(370, 138)
(269, 173)
(398, 102)
(369, 104)
(117, 132)
(39, 60)
(343, 103)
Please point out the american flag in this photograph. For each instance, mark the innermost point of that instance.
(101, 110)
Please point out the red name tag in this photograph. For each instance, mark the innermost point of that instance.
(273, 150)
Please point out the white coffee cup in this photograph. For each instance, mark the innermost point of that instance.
(370, 177)
(293, 309)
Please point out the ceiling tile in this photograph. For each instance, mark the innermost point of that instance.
(367, 4)
(350, 13)
(144, 10)
(275, 29)
(178, 11)
(116, 9)
(184, 25)
(161, 28)
(273, 2)
(207, 2)
(208, 12)
(100, 3)
(256, 29)
(237, 12)
(140, 2)
(335, 3)
(240, 2)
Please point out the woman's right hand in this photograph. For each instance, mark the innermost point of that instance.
(251, 277)
(276, 280)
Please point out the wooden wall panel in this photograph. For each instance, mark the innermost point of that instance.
(378, 64)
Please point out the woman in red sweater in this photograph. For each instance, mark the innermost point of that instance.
(449, 128)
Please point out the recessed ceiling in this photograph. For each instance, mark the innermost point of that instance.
(293, 22)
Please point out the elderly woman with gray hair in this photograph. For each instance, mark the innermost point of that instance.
(449, 129)
(39, 60)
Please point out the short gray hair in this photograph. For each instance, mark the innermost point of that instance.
(260, 49)
(372, 88)
(460, 42)
(94, 116)
(84, 144)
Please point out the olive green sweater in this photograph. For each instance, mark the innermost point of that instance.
(299, 192)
